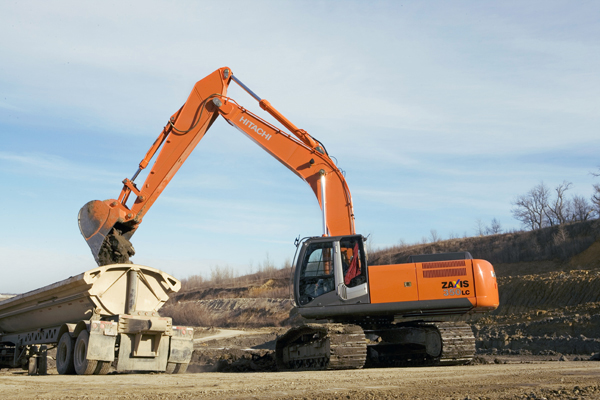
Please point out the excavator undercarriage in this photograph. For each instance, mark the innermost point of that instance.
(349, 346)
(321, 346)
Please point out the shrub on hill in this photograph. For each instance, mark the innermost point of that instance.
(552, 243)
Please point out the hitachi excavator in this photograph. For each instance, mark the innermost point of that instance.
(359, 314)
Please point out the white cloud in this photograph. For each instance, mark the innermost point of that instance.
(54, 166)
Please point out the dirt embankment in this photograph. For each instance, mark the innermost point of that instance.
(249, 306)
(551, 313)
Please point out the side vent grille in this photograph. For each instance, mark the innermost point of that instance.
(444, 269)
(443, 273)
(444, 264)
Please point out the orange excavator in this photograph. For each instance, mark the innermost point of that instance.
(359, 314)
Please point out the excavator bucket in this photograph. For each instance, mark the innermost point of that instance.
(109, 244)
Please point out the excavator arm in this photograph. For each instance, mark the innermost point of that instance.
(312, 164)
(108, 225)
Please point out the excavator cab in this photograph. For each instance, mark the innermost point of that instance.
(331, 271)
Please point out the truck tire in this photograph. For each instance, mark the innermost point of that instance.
(176, 368)
(43, 361)
(83, 366)
(33, 366)
(64, 355)
(102, 368)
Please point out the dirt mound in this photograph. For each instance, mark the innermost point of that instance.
(244, 352)
(240, 312)
(589, 259)
(233, 360)
(115, 249)
(264, 288)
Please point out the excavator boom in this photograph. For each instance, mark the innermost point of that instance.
(108, 225)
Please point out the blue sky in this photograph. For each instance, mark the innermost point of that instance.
(440, 113)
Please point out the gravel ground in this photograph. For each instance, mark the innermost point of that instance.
(537, 380)
(221, 353)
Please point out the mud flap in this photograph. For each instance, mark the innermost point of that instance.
(143, 352)
(101, 347)
(182, 345)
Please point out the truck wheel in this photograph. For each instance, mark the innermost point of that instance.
(64, 355)
(102, 368)
(33, 366)
(181, 368)
(43, 361)
(176, 368)
(83, 366)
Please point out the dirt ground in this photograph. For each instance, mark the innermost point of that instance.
(538, 380)
(225, 361)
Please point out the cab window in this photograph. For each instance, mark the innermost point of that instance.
(353, 262)
(316, 274)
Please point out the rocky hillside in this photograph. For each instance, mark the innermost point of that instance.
(556, 312)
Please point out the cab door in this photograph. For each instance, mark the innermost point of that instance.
(351, 269)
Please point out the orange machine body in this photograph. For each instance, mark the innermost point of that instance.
(438, 280)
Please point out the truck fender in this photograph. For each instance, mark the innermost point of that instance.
(81, 325)
(64, 329)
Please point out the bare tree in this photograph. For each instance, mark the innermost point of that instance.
(596, 199)
(495, 228)
(480, 229)
(434, 236)
(580, 209)
(532, 208)
(561, 236)
(596, 195)
(557, 210)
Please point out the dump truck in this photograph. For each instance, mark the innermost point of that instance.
(102, 317)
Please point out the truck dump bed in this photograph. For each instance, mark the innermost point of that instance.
(103, 290)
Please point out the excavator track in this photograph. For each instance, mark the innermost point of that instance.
(458, 343)
(321, 346)
(420, 344)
